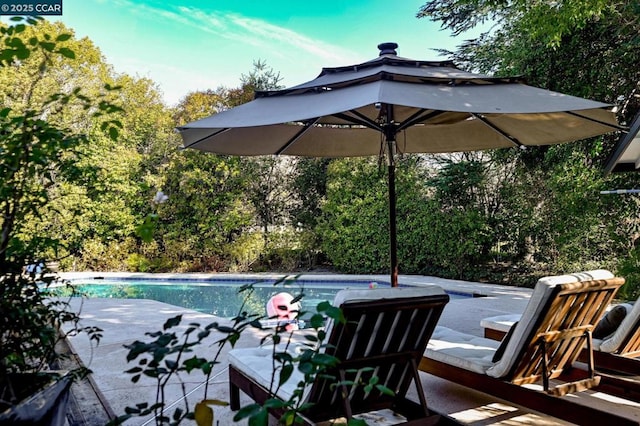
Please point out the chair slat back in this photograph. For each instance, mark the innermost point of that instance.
(565, 325)
(383, 341)
(630, 347)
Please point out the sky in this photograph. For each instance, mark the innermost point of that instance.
(186, 46)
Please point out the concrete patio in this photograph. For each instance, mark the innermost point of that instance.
(124, 321)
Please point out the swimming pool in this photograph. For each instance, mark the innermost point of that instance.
(220, 296)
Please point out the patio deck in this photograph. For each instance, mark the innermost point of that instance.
(124, 321)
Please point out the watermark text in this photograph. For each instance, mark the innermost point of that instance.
(31, 7)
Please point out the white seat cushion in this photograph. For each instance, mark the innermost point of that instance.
(461, 350)
(257, 363)
(534, 307)
(500, 322)
(357, 295)
(612, 343)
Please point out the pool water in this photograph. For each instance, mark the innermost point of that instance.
(222, 298)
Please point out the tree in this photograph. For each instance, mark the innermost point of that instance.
(546, 21)
(42, 147)
(550, 202)
(354, 224)
(205, 211)
(265, 174)
(309, 189)
(549, 42)
(39, 149)
(197, 105)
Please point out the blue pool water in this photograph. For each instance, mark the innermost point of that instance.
(220, 297)
(217, 297)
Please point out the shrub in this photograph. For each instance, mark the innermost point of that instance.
(138, 263)
(245, 251)
(629, 268)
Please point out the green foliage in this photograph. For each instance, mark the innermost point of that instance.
(245, 251)
(549, 43)
(100, 256)
(206, 207)
(289, 250)
(16, 47)
(547, 21)
(197, 105)
(447, 236)
(458, 183)
(308, 187)
(354, 225)
(36, 155)
(549, 214)
(629, 268)
(36, 151)
(167, 355)
(264, 176)
(138, 263)
(51, 127)
(31, 314)
(262, 77)
(456, 242)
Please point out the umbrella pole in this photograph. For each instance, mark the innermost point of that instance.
(393, 244)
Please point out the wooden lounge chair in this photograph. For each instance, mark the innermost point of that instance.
(618, 352)
(616, 357)
(621, 351)
(385, 335)
(496, 327)
(543, 346)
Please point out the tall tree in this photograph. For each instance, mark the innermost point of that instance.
(265, 174)
(586, 48)
(207, 208)
(49, 119)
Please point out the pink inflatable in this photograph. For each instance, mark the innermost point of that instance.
(282, 307)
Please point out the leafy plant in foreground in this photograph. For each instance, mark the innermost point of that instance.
(166, 357)
(34, 153)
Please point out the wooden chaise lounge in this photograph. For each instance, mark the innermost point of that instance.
(616, 356)
(621, 351)
(544, 344)
(385, 334)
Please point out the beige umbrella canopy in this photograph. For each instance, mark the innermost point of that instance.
(395, 105)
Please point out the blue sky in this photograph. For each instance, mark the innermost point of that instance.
(194, 45)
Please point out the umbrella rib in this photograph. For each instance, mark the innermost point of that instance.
(359, 118)
(302, 131)
(498, 130)
(418, 117)
(204, 138)
(593, 120)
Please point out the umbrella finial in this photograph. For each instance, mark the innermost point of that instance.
(388, 48)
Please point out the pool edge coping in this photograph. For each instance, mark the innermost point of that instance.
(474, 289)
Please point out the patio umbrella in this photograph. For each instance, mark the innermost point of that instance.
(392, 105)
